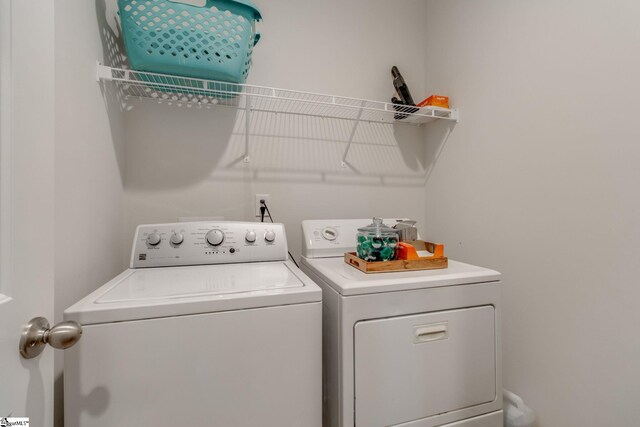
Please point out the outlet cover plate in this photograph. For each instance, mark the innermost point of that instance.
(259, 197)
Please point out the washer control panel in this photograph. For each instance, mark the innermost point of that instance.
(196, 243)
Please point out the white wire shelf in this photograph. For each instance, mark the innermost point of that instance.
(178, 90)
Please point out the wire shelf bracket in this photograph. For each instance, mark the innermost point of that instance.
(353, 133)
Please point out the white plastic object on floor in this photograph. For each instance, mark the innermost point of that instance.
(516, 413)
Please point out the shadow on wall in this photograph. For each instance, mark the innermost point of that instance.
(171, 147)
(437, 134)
(113, 54)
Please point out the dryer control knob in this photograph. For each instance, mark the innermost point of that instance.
(215, 237)
(153, 239)
(250, 236)
(330, 233)
(177, 238)
(270, 236)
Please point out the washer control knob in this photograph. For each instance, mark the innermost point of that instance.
(270, 236)
(177, 238)
(329, 233)
(250, 236)
(215, 237)
(153, 239)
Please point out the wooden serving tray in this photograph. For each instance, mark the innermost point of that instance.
(437, 261)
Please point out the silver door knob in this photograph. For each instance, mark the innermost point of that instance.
(37, 334)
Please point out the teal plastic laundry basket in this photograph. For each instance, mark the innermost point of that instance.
(212, 42)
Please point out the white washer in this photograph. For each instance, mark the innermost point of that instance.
(417, 349)
(223, 331)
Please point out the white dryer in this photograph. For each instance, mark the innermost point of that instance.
(411, 349)
(211, 326)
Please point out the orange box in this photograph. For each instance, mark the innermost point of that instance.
(406, 251)
(435, 101)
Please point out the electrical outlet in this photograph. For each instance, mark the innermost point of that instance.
(259, 197)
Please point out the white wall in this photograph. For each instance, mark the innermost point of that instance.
(539, 180)
(89, 136)
(536, 181)
(185, 162)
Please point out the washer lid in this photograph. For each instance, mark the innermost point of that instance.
(172, 291)
(348, 280)
(182, 282)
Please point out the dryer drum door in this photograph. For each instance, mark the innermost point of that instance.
(414, 367)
